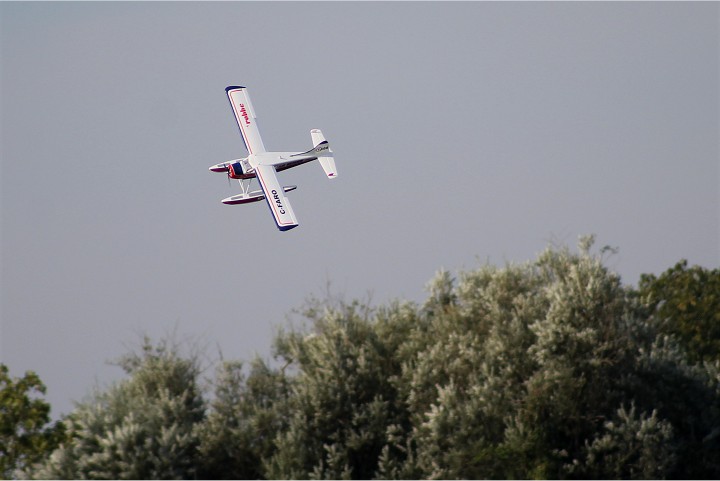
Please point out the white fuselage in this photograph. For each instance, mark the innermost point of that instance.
(275, 158)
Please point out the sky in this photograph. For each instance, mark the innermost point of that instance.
(464, 133)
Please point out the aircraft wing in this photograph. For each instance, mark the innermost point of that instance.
(246, 119)
(274, 195)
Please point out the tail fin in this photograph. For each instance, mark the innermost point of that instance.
(317, 136)
(324, 154)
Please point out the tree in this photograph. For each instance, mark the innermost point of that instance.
(141, 428)
(525, 363)
(245, 416)
(548, 369)
(685, 302)
(25, 433)
(343, 399)
(631, 446)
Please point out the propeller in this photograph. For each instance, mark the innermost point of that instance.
(228, 170)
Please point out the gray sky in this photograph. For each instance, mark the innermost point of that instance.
(463, 133)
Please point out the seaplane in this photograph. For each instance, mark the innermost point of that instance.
(264, 166)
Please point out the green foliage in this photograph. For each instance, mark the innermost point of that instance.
(343, 399)
(631, 447)
(549, 369)
(141, 428)
(519, 372)
(25, 436)
(522, 369)
(685, 303)
(244, 418)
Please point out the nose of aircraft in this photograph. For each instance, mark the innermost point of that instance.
(218, 167)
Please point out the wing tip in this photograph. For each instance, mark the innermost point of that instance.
(286, 228)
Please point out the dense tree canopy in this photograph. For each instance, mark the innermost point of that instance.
(549, 369)
(25, 431)
(685, 303)
(143, 428)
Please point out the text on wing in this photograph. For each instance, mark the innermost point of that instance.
(278, 201)
(244, 114)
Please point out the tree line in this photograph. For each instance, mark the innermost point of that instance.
(548, 369)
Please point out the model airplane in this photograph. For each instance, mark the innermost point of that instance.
(264, 165)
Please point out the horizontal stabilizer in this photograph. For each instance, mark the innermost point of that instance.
(328, 165)
(317, 136)
(324, 154)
